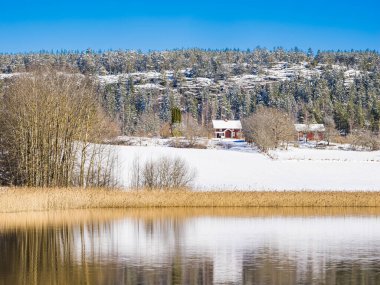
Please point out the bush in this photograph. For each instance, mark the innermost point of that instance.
(186, 143)
(163, 173)
(364, 140)
(165, 131)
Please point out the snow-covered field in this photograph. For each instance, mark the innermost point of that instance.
(293, 169)
(326, 155)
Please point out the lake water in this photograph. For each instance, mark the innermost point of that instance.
(191, 246)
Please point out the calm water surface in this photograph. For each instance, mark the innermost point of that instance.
(182, 246)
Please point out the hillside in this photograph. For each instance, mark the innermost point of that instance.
(139, 89)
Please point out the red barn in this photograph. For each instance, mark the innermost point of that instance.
(227, 129)
(310, 132)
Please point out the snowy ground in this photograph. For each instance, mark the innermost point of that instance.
(240, 168)
(333, 154)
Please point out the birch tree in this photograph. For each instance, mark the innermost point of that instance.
(51, 129)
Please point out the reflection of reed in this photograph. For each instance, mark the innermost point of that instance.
(149, 216)
(40, 219)
(16, 200)
(190, 212)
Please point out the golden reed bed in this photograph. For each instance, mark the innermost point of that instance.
(31, 199)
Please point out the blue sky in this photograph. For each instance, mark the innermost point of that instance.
(156, 25)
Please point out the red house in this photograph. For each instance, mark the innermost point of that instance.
(229, 129)
(310, 132)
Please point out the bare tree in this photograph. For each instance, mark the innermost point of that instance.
(268, 128)
(193, 131)
(51, 126)
(330, 130)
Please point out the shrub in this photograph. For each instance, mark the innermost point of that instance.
(165, 131)
(163, 173)
(364, 140)
(186, 143)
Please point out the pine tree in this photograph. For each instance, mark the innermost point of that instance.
(176, 115)
(341, 118)
(375, 116)
(359, 115)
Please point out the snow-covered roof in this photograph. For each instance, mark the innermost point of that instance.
(309, 127)
(226, 124)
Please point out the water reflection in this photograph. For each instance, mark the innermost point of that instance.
(191, 246)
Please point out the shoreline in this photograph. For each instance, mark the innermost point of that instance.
(48, 199)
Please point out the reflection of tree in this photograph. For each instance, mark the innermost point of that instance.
(69, 255)
(184, 269)
(37, 256)
(48, 255)
(73, 254)
(267, 266)
(168, 231)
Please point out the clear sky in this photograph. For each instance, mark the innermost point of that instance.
(33, 25)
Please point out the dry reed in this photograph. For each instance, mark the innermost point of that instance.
(35, 199)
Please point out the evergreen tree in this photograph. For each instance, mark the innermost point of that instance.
(165, 108)
(176, 115)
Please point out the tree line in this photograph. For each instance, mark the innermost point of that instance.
(205, 63)
(324, 97)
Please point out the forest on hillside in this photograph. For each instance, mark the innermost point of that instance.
(139, 90)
